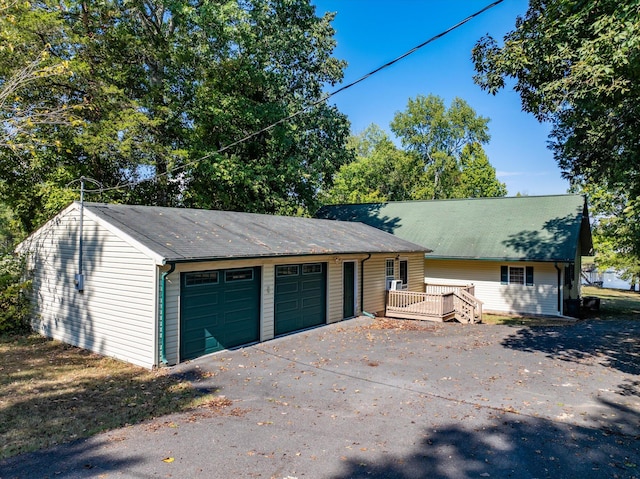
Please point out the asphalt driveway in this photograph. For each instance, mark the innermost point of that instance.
(353, 401)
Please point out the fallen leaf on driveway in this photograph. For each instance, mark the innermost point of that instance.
(168, 459)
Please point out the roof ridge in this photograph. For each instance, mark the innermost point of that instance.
(461, 199)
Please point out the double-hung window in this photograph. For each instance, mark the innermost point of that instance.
(390, 271)
(516, 275)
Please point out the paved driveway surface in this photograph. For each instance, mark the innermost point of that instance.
(350, 401)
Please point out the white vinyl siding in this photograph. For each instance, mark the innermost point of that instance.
(334, 290)
(267, 316)
(115, 314)
(540, 298)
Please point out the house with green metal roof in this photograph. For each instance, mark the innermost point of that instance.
(522, 254)
(153, 285)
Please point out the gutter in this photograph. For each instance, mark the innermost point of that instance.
(272, 256)
(162, 313)
(369, 315)
(501, 260)
(559, 287)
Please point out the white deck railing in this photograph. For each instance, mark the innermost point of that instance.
(422, 304)
(448, 303)
(449, 288)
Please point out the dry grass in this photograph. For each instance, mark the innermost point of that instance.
(615, 303)
(51, 393)
(403, 324)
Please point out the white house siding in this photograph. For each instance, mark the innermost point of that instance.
(267, 297)
(335, 287)
(115, 314)
(541, 298)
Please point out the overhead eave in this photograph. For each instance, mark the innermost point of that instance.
(283, 255)
(502, 259)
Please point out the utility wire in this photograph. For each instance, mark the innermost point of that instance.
(306, 108)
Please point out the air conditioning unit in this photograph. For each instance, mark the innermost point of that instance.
(395, 285)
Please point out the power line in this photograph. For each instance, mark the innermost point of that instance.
(309, 106)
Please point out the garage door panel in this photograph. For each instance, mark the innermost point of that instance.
(239, 316)
(219, 314)
(312, 286)
(287, 286)
(210, 321)
(284, 307)
(198, 311)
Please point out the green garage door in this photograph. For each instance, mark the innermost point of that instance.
(218, 310)
(300, 296)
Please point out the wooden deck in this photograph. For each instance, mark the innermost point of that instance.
(437, 303)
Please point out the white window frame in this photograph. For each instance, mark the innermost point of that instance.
(389, 266)
(516, 273)
(526, 273)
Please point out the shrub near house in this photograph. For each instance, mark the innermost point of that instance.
(14, 304)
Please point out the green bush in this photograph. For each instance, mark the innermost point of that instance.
(14, 302)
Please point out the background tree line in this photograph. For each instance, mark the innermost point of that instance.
(442, 157)
(126, 90)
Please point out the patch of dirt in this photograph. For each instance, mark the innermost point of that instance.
(402, 325)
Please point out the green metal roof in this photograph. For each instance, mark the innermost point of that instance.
(526, 228)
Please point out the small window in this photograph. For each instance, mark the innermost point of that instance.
(516, 275)
(390, 269)
(288, 270)
(312, 268)
(201, 277)
(238, 275)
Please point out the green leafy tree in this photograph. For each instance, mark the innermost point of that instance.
(448, 142)
(157, 89)
(576, 65)
(14, 303)
(380, 172)
(616, 231)
(10, 233)
(477, 177)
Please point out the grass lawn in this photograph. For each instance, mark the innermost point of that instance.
(52, 393)
(614, 304)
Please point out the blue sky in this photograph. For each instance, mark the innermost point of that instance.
(372, 32)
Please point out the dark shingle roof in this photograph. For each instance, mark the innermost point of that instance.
(180, 234)
(536, 228)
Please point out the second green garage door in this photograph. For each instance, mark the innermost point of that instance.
(219, 309)
(300, 296)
